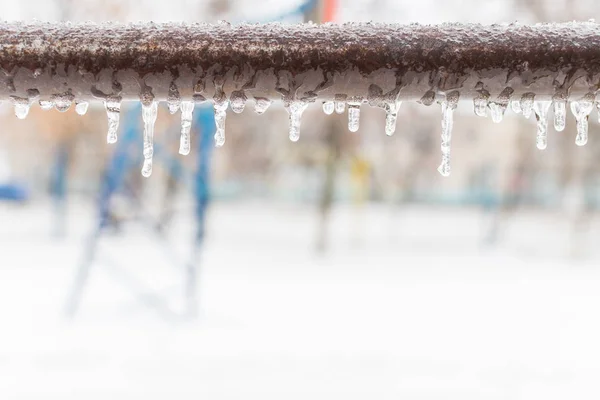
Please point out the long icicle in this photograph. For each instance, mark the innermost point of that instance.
(149, 112)
(448, 107)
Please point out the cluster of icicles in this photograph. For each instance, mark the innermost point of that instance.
(527, 106)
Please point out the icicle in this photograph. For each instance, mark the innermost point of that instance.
(560, 115)
(149, 112)
(187, 108)
(480, 104)
(328, 107)
(541, 115)
(46, 105)
(220, 106)
(353, 116)
(112, 105)
(295, 108)
(173, 98)
(261, 105)
(62, 102)
(81, 107)
(238, 101)
(340, 107)
(498, 107)
(515, 105)
(527, 104)
(21, 106)
(581, 110)
(391, 116)
(448, 107)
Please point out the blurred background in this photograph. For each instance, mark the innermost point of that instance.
(341, 265)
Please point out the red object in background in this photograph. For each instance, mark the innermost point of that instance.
(329, 9)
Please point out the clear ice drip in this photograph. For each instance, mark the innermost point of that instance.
(340, 107)
(448, 107)
(527, 104)
(328, 107)
(113, 111)
(581, 110)
(238, 101)
(22, 106)
(560, 115)
(391, 116)
(187, 108)
(353, 116)
(46, 105)
(541, 115)
(480, 104)
(295, 108)
(149, 112)
(220, 107)
(261, 105)
(81, 107)
(515, 105)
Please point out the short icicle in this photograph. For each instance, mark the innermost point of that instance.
(261, 105)
(391, 116)
(187, 109)
(527, 104)
(328, 107)
(112, 105)
(560, 114)
(540, 109)
(295, 108)
(81, 107)
(448, 107)
(220, 107)
(515, 105)
(237, 100)
(581, 110)
(498, 107)
(149, 112)
(22, 106)
(353, 116)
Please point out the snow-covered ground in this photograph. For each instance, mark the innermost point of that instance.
(414, 307)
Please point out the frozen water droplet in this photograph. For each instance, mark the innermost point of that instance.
(81, 107)
(353, 116)
(448, 107)
(62, 101)
(112, 105)
(46, 105)
(391, 116)
(187, 108)
(328, 107)
(515, 105)
(173, 98)
(541, 115)
(238, 101)
(581, 110)
(480, 104)
(527, 104)
(261, 105)
(340, 107)
(149, 112)
(21, 107)
(560, 115)
(295, 108)
(220, 106)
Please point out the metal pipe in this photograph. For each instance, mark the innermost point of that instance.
(366, 61)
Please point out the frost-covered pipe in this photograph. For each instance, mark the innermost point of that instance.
(526, 67)
(307, 61)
